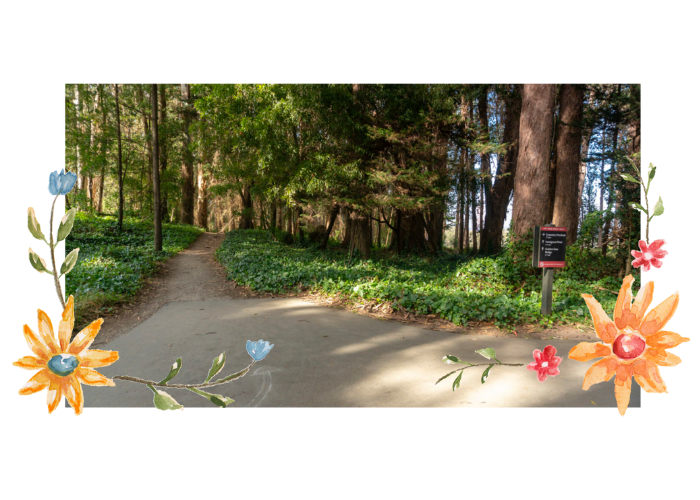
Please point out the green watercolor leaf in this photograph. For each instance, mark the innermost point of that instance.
(70, 261)
(485, 375)
(173, 371)
(445, 376)
(66, 225)
(455, 384)
(217, 399)
(164, 401)
(659, 207)
(652, 172)
(629, 178)
(34, 226)
(236, 375)
(216, 366)
(638, 207)
(488, 353)
(38, 263)
(450, 360)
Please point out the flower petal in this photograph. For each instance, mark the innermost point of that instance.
(555, 361)
(532, 366)
(92, 377)
(96, 358)
(586, 351)
(549, 351)
(83, 340)
(665, 340)
(656, 262)
(54, 395)
(647, 376)
(38, 382)
(537, 355)
(74, 393)
(659, 316)
(655, 245)
(643, 246)
(637, 254)
(600, 371)
(65, 326)
(36, 344)
(46, 332)
(661, 357)
(623, 306)
(30, 363)
(604, 327)
(622, 396)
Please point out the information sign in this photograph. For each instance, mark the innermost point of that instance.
(549, 247)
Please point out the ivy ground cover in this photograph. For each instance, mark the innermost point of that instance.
(112, 265)
(458, 288)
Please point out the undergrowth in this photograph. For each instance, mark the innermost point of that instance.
(504, 289)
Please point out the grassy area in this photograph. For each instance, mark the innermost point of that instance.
(111, 265)
(459, 288)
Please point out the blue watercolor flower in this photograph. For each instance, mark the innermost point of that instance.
(61, 183)
(258, 350)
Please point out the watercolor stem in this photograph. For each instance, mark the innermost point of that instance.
(646, 203)
(53, 257)
(151, 383)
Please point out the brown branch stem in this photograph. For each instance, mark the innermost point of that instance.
(222, 381)
(53, 258)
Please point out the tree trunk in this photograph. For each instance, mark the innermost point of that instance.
(568, 160)
(247, 215)
(485, 167)
(532, 175)
(602, 180)
(202, 198)
(497, 201)
(158, 231)
(187, 169)
(148, 139)
(119, 160)
(163, 150)
(329, 227)
(583, 164)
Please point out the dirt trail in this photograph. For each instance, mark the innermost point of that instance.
(195, 275)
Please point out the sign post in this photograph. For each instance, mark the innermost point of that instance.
(548, 252)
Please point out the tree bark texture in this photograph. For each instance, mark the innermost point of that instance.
(531, 189)
(497, 201)
(157, 228)
(568, 161)
(187, 168)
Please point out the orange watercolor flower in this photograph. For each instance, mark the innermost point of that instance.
(633, 344)
(63, 366)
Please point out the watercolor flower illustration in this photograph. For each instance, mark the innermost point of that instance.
(546, 363)
(258, 350)
(64, 365)
(61, 183)
(649, 255)
(633, 345)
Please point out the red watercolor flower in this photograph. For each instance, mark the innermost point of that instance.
(546, 363)
(650, 255)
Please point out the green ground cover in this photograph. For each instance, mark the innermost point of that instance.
(111, 265)
(459, 288)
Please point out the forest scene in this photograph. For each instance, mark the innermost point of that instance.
(413, 200)
(372, 232)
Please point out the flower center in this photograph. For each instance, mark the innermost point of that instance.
(628, 346)
(62, 364)
(545, 364)
(648, 255)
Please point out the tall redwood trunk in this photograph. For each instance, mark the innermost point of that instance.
(329, 227)
(497, 201)
(531, 189)
(119, 159)
(187, 168)
(157, 228)
(568, 149)
(163, 150)
(247, 215)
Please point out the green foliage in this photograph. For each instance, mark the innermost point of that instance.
(455, 287)
(112, 265)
